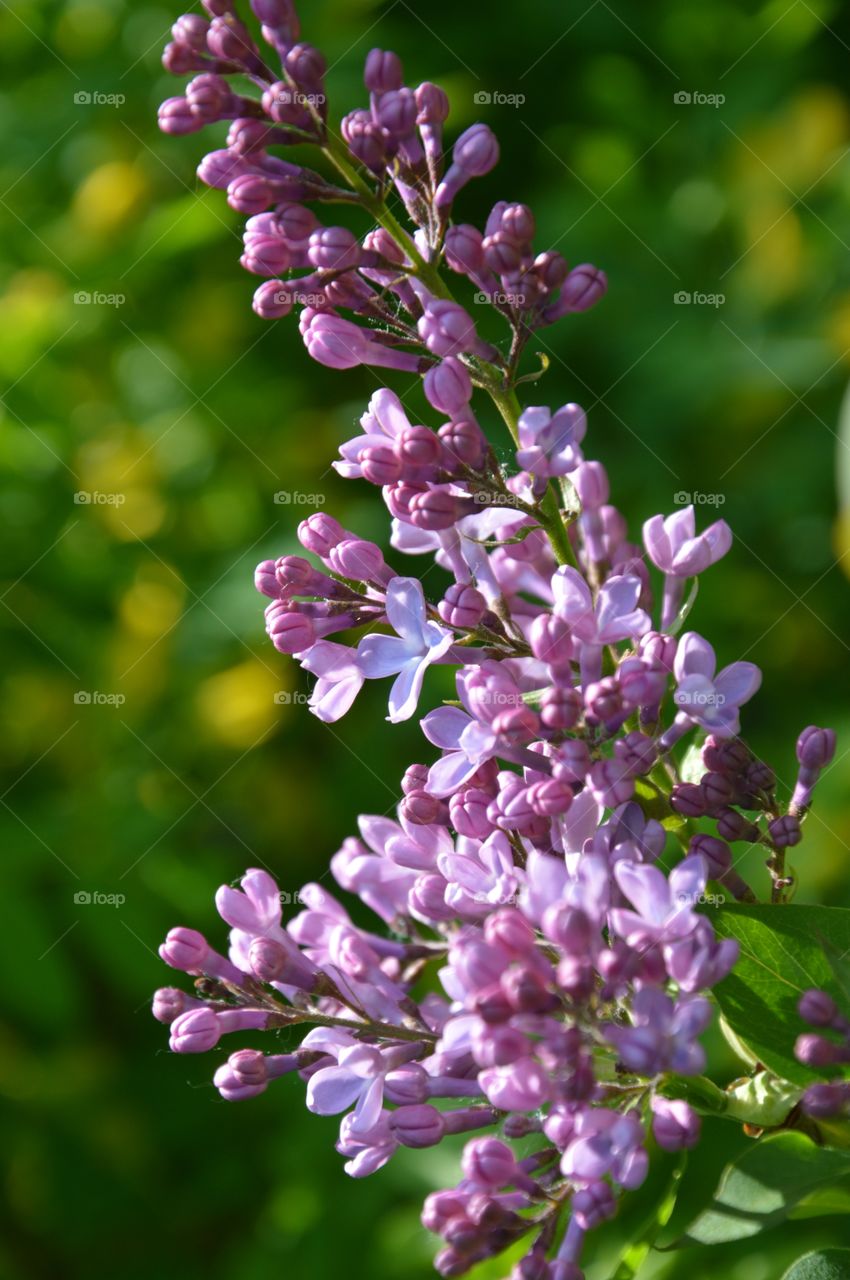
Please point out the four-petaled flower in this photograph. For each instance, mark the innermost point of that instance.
(406, 655)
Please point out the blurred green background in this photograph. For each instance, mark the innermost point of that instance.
(119, 1157)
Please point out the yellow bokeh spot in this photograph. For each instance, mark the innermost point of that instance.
(109, 196)
(153, 603)
(237, 705)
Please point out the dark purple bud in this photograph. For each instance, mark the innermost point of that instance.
(817, 1008)
(675, 1125)
(417, 1126)
(464, 442)
(726, 755)
(816, 1051)
(489, 1162)
(573, 760)
(380, 464)
(191, 29)
(320, 533)
(502, 254)
(687, 799)
(550, 797)
(291, 632)
(551, 639)
(333, 249)
(306, 66)
(822, 1101)
(717, 854)
(816, 747)
(581, 290)
(468, 810)
(464, 249)
(422, 809)
(448, 387)
(462, 606)
(435, 509)
(732, 825)
(551, 270)
(273, 300)
(176, 117)
(383, 71)
(476, 151)
(179, 59)
(560, 709)
(231, 41)
(169, 1003)
(785, 832)
(433, 104)
(593, 1205)
(718, 791)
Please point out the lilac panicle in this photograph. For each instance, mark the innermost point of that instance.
(539, 961)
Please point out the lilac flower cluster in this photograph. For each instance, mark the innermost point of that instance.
(544, 870)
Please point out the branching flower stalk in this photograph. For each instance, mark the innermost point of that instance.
(538, 856)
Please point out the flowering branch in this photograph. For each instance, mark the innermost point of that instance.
(537, 856)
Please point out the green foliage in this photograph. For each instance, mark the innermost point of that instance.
(782, 955)
(763, 1186)
(826, 1264)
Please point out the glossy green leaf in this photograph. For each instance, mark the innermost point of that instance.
(826, 1264)
(782, 955)
(764, 1185)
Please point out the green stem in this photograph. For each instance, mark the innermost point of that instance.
(507, 402)
(337, 155)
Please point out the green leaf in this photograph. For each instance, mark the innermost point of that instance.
(764, 1185)
(840, 966)
(826, 1264)
(782, 955)
(693, 766)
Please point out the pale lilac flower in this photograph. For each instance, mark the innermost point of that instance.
(549, 441)
(709, 700)
(408, 654)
